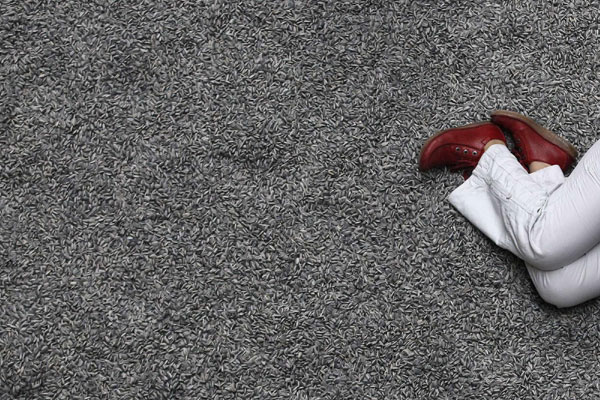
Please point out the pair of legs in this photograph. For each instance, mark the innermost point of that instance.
(549, 221)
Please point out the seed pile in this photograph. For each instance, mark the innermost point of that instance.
(221, 199)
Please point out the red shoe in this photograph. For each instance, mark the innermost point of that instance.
(533, 142)
(458, 148)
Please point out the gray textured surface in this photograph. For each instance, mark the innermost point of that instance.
(220, 200)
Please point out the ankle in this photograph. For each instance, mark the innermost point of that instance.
(493, 142)
(537, 165)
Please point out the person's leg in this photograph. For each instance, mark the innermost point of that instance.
(547, 226)
(551, 222)
(504, 201)
(566, 286)
(569, 225)
(570, 285)
(547, 230)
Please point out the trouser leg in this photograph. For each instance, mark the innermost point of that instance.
(547, 226)
(572, 284)
(505, 202)
(570, 224)
(568, 227)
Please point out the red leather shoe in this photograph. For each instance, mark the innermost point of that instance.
(533, 142)
(458, 148)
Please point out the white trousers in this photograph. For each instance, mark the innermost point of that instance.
(549, 221)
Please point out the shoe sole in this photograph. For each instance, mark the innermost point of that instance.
(431, 139)
(543, 132)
